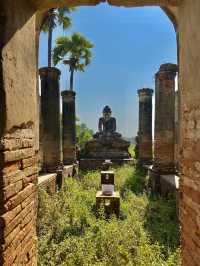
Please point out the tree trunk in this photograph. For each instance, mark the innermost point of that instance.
(50, 42)
(71, 79)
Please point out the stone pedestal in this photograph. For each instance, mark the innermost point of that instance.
(111, 204)
(69, 127)
(106, 147)
(50, 118)
(98, 150)
(145, 126)
(164, 119)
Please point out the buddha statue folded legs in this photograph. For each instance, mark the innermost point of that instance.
(107, 143)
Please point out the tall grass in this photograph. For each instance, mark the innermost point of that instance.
(147, 233)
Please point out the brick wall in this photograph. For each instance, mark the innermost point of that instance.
(18, 204)
(190, 189)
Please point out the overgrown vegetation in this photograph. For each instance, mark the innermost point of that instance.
(131, 150)
(146, 234)
(83, 133)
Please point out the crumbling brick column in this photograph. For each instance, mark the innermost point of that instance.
(164, 119)
(50, 115)
(69, 127)
(145, 126)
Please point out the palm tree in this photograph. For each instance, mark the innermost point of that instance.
(54, 17)
(73, 51)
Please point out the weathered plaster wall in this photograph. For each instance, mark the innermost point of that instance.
(129, 3)
(176, 140)
(168, 6)
(189, 80)
(18, 75)
(18, 137)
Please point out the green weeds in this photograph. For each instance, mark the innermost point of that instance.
(147, 234)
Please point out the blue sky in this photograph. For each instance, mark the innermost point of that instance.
(129, 46)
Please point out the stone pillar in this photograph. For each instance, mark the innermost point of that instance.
(50, 115)
(69, 127)
(145, 126)
(164, 119)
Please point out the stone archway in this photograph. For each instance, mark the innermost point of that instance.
(19, 123)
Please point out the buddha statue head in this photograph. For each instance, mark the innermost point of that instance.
(107, 113)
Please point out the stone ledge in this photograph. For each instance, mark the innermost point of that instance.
(48, 182)
(70, 170)
(46, 177)
(164, 184)
(169, 184)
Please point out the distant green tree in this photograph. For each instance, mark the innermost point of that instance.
(73, 51)
(55, 17)
(83, 133)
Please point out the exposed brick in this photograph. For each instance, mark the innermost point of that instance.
(24, 133)
(29, 179)
(27, 218)
(22, 195)
(8, 239)
(27, 231)
(188, 259)
(29, 162)
(28, 209)
(193, 249)
(12, 189)
(6, 218)
(10, 255)
(30, 170)
(28, 200)
(164, 119)
(15, 144)
(48, 183)
(194, 194)
(10, 156)
(145, 125)
(10, 168)
(13, 224)
(12, 178)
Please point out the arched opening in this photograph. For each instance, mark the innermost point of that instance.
(18, 123)
(117, 66)
(81, 87)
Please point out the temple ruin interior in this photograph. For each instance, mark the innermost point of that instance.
(175, 166)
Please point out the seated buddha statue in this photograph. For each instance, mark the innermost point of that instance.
(107, 125)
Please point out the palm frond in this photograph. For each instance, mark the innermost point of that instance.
(62, 18)
(65, 22)
(49, 20)
(74, 51)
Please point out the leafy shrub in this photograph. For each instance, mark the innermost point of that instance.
(83, 133)
(131, 150)
(70, 234)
